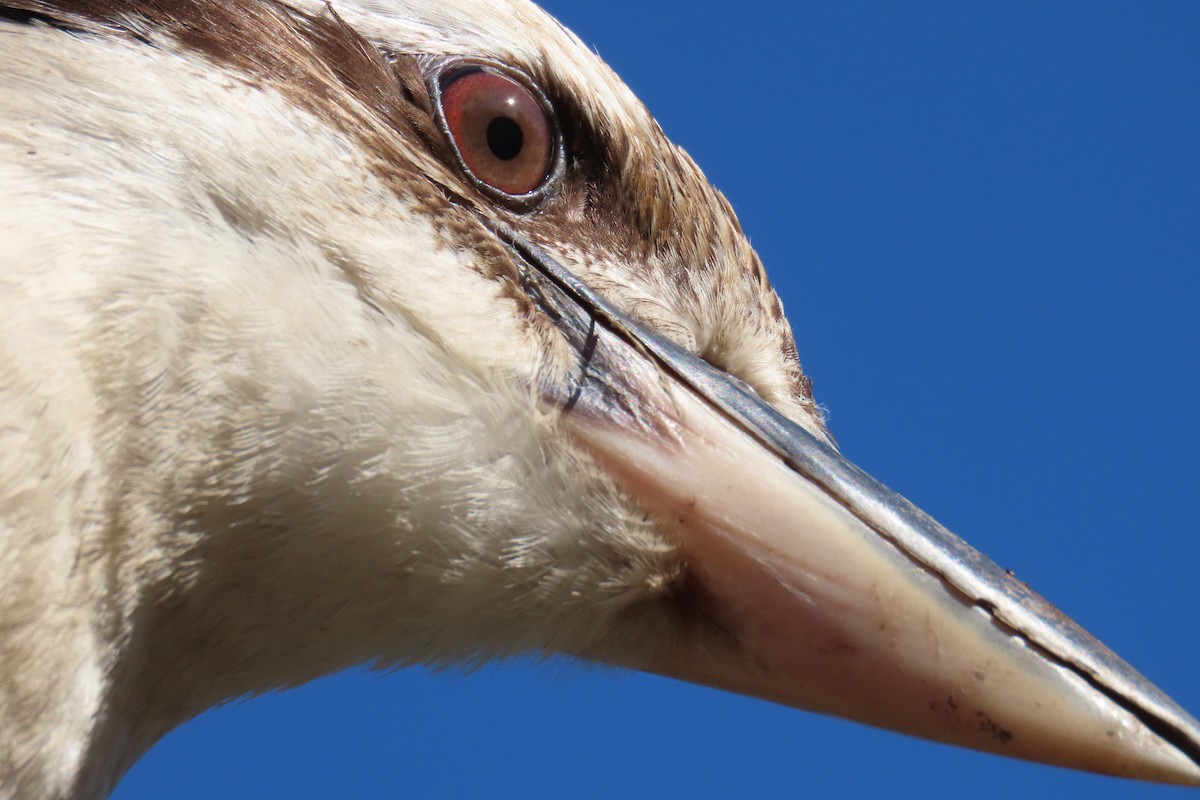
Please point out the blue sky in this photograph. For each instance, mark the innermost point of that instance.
(984, 220)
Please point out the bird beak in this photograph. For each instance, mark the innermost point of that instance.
(830, 592)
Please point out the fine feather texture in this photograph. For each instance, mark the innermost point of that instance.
(265, 394)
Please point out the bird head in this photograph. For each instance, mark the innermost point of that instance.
(421, 343)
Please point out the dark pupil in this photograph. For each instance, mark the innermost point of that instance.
(504, 138)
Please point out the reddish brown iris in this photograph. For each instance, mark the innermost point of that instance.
(500, 130)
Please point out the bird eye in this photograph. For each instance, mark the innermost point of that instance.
(502, 132)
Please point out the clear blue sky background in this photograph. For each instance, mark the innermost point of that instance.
(984, 219)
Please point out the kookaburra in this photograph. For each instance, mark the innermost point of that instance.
(396, 332)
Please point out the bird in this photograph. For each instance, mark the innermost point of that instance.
(249, 354)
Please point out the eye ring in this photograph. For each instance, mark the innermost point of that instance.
(489, 146)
